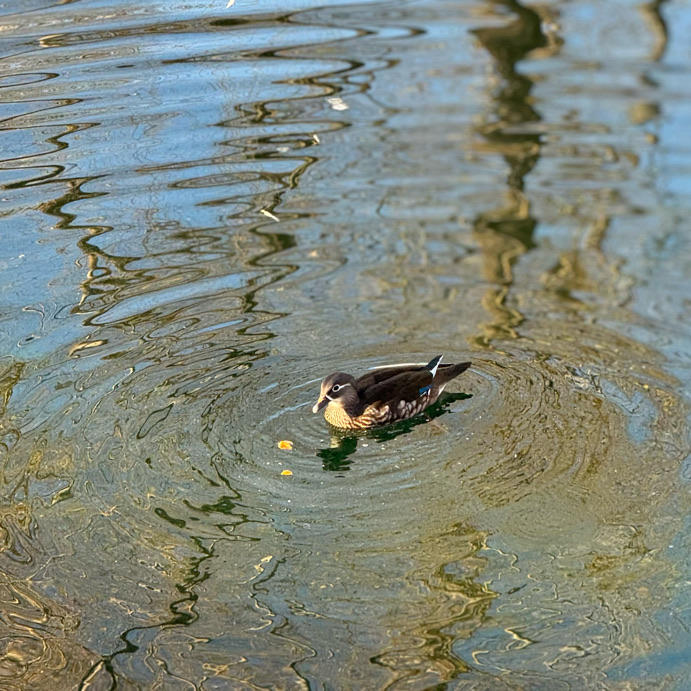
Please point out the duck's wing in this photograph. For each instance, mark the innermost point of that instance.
(404, 386)
(383, 374)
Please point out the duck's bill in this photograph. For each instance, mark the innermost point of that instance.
(321, 403)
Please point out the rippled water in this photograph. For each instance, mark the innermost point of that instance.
(205, 210)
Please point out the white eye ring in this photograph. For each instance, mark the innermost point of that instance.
(336, 387)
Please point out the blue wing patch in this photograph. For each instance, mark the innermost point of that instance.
(424, 390)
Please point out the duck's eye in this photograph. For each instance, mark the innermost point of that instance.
(336, 387)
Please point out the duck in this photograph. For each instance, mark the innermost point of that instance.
(384, 394)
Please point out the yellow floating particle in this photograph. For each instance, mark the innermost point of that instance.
(285, 444)
(270, 215)
(286, 472)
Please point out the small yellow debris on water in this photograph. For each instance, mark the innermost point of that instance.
(268, 214)
(285, 444)
(286, 472)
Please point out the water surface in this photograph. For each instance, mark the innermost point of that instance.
(205, 210)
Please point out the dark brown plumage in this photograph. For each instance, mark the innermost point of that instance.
(384, 394)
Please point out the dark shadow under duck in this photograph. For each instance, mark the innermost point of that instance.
(338, 456)
(385, 394)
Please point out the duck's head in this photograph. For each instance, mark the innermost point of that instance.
(338, 389)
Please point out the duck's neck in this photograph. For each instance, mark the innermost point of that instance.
(343, 414)
(337, 416)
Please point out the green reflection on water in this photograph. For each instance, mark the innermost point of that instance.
(344, 444)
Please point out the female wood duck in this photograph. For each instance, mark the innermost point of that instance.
(385, 394)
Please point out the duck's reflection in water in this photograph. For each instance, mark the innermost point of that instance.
(343, 444)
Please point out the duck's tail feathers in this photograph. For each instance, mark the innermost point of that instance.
(449, 372)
